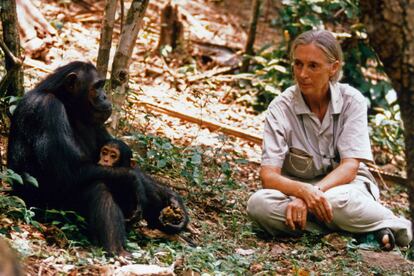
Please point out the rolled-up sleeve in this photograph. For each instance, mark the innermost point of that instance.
(274, 139)
(353, 141)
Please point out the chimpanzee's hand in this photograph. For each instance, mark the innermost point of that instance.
(296, 214)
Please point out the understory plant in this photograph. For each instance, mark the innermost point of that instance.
(271, 70)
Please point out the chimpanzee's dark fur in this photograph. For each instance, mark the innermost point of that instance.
(129, 197)
(56, 133)
(159, 197)
(148, 197)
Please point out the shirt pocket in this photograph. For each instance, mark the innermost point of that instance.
(299, 163)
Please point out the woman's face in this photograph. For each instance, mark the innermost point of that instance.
(312, 69)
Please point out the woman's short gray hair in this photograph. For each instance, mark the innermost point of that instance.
(325, 41)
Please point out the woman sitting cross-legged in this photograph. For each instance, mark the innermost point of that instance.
(315, 145)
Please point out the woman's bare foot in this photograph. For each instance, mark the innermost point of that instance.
(386, 239)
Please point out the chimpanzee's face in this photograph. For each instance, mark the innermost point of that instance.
(109, 156)
(97, 99)
(85, 96)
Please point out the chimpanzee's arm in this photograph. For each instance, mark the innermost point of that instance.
(91, 173)
(60, 155)
(52, 139)
(158, 198)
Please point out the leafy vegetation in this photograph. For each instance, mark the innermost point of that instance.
(7, 106)
(69, 227)
(387, 135)
(10, 177)
(216, 183)
(362, 69)
(196, 164)
(15, 208)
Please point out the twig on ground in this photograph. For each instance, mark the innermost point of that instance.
(215, 71)
(213, 126)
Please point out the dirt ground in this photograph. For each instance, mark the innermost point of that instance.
(217, 213)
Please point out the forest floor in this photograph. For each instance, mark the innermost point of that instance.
(163, 88)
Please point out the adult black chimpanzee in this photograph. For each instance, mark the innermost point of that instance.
(56, 133)
(161, 207)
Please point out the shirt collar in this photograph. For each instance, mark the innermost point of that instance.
(336, 98)
(335, 103)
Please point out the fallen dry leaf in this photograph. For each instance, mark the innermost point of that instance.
(244, 252)
(255, 268)
(277, 250)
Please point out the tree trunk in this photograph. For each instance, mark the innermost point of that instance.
(8, 78)
(120, 65)
(172, 29)
(390, 26)
(252, 34)
(106, 37)
(8, 17)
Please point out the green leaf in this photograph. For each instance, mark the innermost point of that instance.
(310, 21)
(36, 224)
(241, 161)
(31, 180)
(316, 8)
(260, 60)
(151, 153)
(166, 50)
(12, 108)
(14, 178)
(225, 167)
(167, 146)
(391, 96)
(272, 89)
(161, 163)
(196, 158)
(281, 69)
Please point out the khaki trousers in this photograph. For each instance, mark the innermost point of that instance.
(355, 210)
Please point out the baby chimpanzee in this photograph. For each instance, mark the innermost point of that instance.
(115, 153)
(161, 207)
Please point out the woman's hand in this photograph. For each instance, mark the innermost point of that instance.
(296, 214)
(317, 202)
(315, 199)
